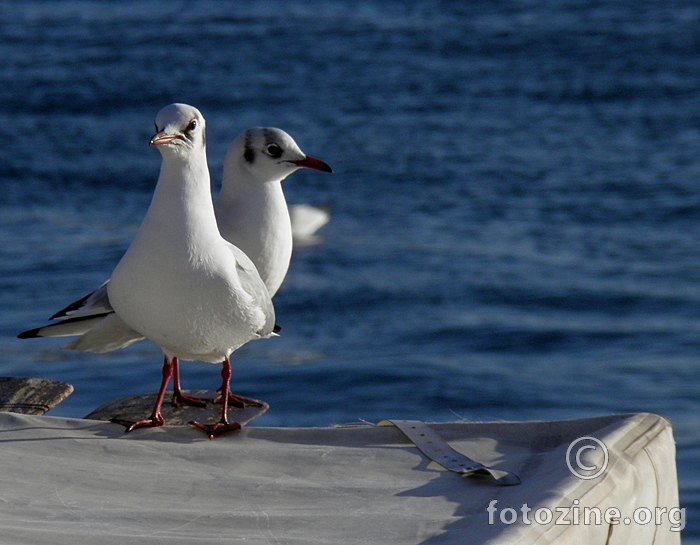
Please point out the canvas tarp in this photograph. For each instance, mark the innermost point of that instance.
(72, 482)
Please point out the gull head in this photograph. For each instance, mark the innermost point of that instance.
(269, 155)
(179, 130)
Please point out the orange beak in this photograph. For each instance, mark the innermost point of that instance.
(162, 138)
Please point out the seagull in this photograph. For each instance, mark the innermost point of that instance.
(251, 210)
(306, 220)
(252, 214)
(180, 284)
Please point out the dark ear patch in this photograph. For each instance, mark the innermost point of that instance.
(249, 155)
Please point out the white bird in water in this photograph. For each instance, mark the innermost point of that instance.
(180, 284)
(252, 214)
(306, 220)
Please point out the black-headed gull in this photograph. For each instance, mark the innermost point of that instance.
(252, 214)
(251, 209)
(180, 284)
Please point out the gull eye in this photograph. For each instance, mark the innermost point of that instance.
(274, 150)
(192, 126)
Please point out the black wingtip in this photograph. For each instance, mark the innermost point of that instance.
(276, 329)
(31, 334)
(73, 306)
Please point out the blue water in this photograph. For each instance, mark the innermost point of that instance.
(516, 203)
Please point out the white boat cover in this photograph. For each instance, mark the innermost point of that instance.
(72, 482)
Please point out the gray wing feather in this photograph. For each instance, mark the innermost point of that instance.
(94, 303)
(255, 287)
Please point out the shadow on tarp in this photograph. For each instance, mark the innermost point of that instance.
(535, 451)
(337, 456)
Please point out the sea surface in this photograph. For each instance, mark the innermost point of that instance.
(515, 227)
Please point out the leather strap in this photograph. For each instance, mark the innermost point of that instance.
(434, 447)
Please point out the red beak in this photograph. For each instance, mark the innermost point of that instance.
(313, 164)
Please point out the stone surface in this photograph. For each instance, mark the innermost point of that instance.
(140, 406)
(31, 395)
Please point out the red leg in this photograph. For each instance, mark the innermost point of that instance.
(156, 418)
(222, 426)
(238, 401)
(178, 396)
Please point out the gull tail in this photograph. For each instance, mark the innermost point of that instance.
(109, 333)
(70, 327)
(97, 333)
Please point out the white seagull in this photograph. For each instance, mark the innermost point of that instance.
(252, 214)
(251, 209)
(180, 284)
(306, 220)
